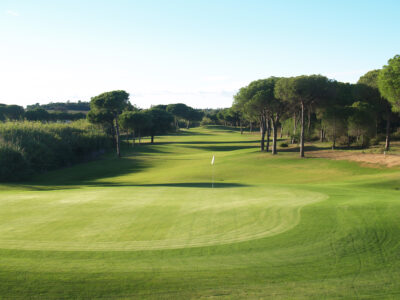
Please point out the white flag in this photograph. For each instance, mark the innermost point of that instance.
(213, 159)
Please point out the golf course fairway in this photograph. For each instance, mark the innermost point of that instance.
(150, 225)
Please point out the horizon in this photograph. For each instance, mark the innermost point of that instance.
(197, 53)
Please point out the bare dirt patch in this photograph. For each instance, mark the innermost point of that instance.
(371, 159)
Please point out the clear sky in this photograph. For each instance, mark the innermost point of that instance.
(199, 52)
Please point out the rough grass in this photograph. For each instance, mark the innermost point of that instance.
(150, 226)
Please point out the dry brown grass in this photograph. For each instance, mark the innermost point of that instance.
(371, 159)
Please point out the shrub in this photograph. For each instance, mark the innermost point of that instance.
(206, 121)
(283, 145)
(48, 146)
(375, 141)
(13, 165)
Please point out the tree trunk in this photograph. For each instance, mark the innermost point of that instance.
(334, 141)
(241, 127)
(334, 133)
(118, 139)
(133, 138)
(275, 135)
(152, 139)
(187, 124)
(262, 132)
(294, 128)
(302, 131)
(251, 127)
(309, 120)
(348, 140)
(114, 138)
(268, 134)
(387, 144)
(321, 138)
(281, 131)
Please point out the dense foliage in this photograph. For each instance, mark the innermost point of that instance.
(63, 106)
(18, 113)
(29, 147)
(308, 107)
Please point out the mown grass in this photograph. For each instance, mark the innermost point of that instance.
(150, 226)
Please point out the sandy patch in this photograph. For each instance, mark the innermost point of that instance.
(365, 158)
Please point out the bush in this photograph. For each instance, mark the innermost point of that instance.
(374, 141)
(283, 145)
(45, 147)
(206, 121)
(13, 165)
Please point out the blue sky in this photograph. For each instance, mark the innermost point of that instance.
(197, 52)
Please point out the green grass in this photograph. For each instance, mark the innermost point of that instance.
(150, 226)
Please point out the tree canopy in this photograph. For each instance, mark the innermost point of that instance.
(110, 103)
(389, 82)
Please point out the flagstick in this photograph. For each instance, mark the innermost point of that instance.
(212, 185)
(212, 172)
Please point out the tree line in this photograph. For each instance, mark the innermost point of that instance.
(80, 106)
(113, 111)
(18, 113)
(302, 105)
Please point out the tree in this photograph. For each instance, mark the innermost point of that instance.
(225, 117)
(389, 87)
(334, 111)
(367, 91)
(37, 114)
(193, 115)
(12, 112)
(255, 101)
(136, 122)
(103, 118)
(179, 111)
(302, 91)
(161, 122)
(361, 121)
(283, 91)
(333, 120)
(2, 112)
(160, 106)
(111, 102)
(277, 108)
(238, 109)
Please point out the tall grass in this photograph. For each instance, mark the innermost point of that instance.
(30, 147)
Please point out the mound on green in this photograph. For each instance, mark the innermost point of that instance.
(149, 225)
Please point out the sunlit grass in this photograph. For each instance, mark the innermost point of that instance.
(150, 226)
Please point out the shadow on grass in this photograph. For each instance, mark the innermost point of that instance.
(210, 142)
(139, 149)
(225, 128)
(306, 148)
(187, 132)
(317, 148)
(221, 148)
(84, 174)
(102, 184)
(182, 185)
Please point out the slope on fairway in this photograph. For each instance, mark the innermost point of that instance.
(150, 225)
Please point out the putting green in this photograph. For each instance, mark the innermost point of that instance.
(147, 220)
